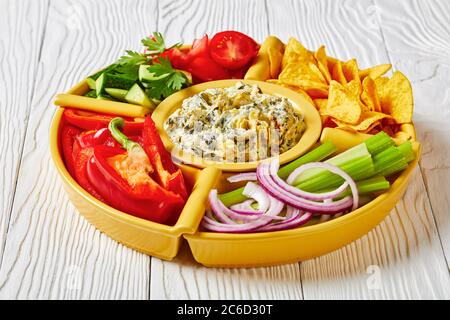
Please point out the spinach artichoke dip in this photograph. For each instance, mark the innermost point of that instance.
(235, 124)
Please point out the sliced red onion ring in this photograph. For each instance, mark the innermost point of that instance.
(266, 181)
(247, 176)
(245, 206)
(225, 214)
(296, 221)
(275, 165)
(333, 169)
(254, 191)
(274, 210)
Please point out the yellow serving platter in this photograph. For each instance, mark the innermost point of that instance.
(219, 249)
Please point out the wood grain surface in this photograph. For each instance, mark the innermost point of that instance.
(21, 34)
(49, 251)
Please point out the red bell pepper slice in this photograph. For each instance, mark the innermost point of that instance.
(147, 200)
(68, 135)
(92, 121)
(168, 174)
(83, 149)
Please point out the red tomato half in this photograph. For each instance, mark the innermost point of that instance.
(199, 47)
(205, 69)
(232, 49)
(178, 58)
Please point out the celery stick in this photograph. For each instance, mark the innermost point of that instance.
(358, 168)
(358, 151)
(317, 154)
(321, 152)
(406, 149)
(389, 161)
(379, 142)
(371, 185)
(232, 197)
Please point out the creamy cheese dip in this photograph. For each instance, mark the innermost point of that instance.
(235, 124)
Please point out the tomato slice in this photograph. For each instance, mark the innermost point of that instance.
(178, 58)
(232, 49)
(181, 59)
(199, 47)
(206, 69)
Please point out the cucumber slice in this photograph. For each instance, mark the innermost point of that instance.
(100, 84)
(137, 96)
(91, 83)
(147, 76)
(91, 94)
(118, 94)
(107, 80)
(105, 96)
(144, 74)
(155, 101)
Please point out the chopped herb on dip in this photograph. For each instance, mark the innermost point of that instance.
(235, 124)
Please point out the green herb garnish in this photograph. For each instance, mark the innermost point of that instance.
(167, 80)
(132, 58)
(156, 44)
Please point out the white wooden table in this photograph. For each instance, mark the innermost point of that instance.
(48, 251)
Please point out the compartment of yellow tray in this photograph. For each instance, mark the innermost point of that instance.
(152, 238)
(299, 103)
(271, 248)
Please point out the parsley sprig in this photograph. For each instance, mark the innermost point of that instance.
(156, 43)
(132, 58)
(167, 79)
(154, 46)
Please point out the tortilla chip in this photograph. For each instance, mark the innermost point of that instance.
(354, 87)
(371, 128)
(396, 98)
(298, 90)
(375, 72)
(342, 104)
(322, 63)
(320, 104)
(295, 52)
(369, 95)
(338, 74)
(402, 136)
(316, 90)
(294, 73)
(369, 120)
(350, 70)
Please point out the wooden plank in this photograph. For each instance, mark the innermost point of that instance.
(401, 259)
(418, 42)
(21, 30)
(404, 252)
(181, 20)
(183, 278)
(51, 251)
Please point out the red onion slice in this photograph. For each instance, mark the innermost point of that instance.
(333, 169)
(254, 191)
(245, 207)
(274, 210)
(295, 221)
(266, 181)
(225, 214)
(274, 166)
(247, 176)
